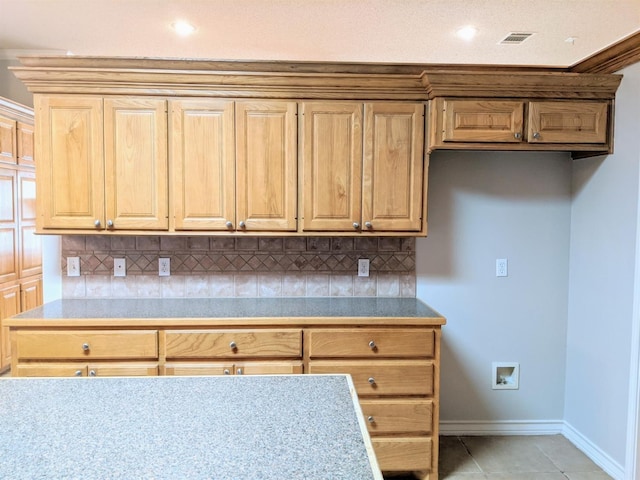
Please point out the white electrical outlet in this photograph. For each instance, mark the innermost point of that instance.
(73, 266)
(164, 267)
(501, 267)
(119, 267)
(363, 267)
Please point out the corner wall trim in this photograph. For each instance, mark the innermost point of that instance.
(600, 458)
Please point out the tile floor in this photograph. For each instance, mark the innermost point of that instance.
(535, 457)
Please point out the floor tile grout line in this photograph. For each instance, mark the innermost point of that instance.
(461, 440)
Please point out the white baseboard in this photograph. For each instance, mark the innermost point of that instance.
(539, 427)
(604, 461)
(506, 427)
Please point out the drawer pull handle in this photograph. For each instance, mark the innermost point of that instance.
(233, 345)
(229, 224)
(372, 380)
(370, 419)
(78, 373)
(372, 345)
(239, 371)
(92, 373)
(226, 371)
(85, 347)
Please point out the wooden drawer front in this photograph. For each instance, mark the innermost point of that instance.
(87, 344)
(567, 122)
(393, 377)
(51, 370)
(123, 370)
(402, 454)
(482, 121)
(193, 369)
(398, 416)
(229, 343)
(245, 368)
(372, 343)
(267, 368)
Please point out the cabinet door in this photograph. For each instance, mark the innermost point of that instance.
(567, 122)
(203, 163)
(392, 167)
(25, 144)
(8, 226)
(8, 152)
(332, 165)
(9, 306)
(30, 244)
(69, 148)
(266, 143)
(482, 121)
(136, 189)
(30, 294)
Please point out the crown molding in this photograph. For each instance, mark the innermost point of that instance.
(613, 58)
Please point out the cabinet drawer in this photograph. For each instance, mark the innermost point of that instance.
(87, 344)
(123, 370)
(233, 343)
(244, 368)
(398, 416)
(402, 454)
(372, 343)
(393, 377)
(84, 370)
(51, 370)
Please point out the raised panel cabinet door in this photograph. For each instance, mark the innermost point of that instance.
(393, 167)
(70, 171)
(136, 165)
(30, 262)
(30, 294)
(203, 163)
(482, 121)
(567, 122)
(25, 144)
(266, 166)
(332, 166)
(8, 151)
(9, 306)
(9, 256)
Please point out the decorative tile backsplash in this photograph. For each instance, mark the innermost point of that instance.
(240, 266)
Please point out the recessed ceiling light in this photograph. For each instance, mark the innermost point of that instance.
(467, 33)
(183, 28)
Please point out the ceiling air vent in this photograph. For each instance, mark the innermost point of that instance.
(515, 38)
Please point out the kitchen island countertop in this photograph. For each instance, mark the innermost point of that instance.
(224, 428)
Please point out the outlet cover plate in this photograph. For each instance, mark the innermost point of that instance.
(164, 267)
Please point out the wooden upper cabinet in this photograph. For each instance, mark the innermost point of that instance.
(136, 165)
(8, 148)
(25, 144)
(393, 167)
(332, 165)
(482, 121)
(567, 122)
(9, 260)
(203, 162)
(70, 171)
(266, 165)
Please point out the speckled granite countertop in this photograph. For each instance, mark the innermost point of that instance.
(223, 428)
(245, 308)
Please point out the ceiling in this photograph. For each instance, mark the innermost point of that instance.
(389, 31)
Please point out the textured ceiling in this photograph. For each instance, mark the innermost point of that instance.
(393, 31)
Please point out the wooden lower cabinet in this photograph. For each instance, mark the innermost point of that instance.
(394, 366)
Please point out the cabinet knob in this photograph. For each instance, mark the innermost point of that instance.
(518, 135)
(368, 225)
(372, 345)
(85, 347)
(78, 373)
(241, 224)
(229, 224)
(356, 225)
(233, 345)
(226, 371)
(239, 371)
(92, 373)
(97, 223)
(372, 380)
(109, 223)
(536, 135)
(370, 419)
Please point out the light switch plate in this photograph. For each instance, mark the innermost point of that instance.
(73, 266)
(119, 267)
(363, 267)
